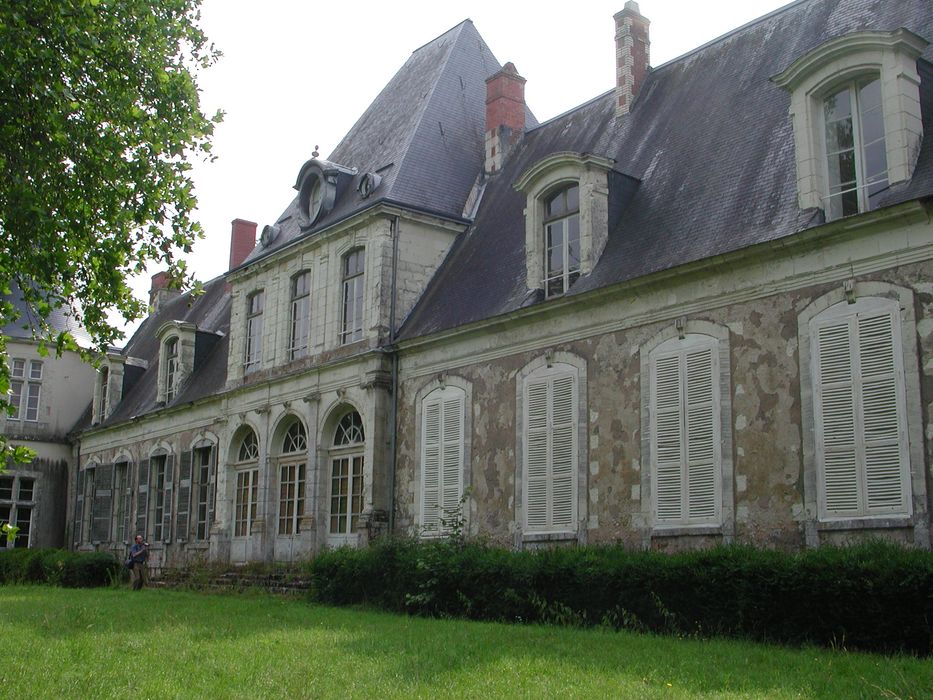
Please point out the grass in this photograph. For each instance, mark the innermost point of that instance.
(161, 644)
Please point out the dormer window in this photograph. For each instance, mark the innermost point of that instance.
(566, 218)
(561, 240)
(253, 356)
(170, 353)
(104, 379)
(856, 164)
(855, 106)
(319, 185)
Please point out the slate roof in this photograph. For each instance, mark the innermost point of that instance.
(423, 134)
(58, 319)
(711, 142)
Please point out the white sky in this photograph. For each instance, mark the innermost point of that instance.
(299, 74)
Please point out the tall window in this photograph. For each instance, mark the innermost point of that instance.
(203, 466)
(158, 483)
(254, 309)
(856, 160)
(90, 490)
(353, 278)
(121, 501)
(686, 449)
(860, 410)
(17, 502)
(442, 418)
(562, 240)
(300, 322)
(25, 389)
(550, 450)
(346, 486)
(246, 497)
(104, 379)
(292, 479)
(171, 368)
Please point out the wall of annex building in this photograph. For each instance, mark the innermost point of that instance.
(316, 398)
(757, 301)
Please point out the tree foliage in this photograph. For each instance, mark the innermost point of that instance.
(99, 121)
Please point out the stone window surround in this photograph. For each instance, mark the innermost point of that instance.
(543, 362)
(433, 385)
(919, 521)
(890, 55)
(727, 513)
(186, 334)
(559, 170)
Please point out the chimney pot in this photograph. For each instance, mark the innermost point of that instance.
(631, 55)
(242, 241)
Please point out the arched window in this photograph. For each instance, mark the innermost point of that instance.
(292, 478)
(353, 286)
(300, 321)
(104, 379)
(346, 485)
(170, 353)
(246, 497)
(561, 240)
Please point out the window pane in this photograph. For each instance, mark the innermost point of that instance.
(35, 370)
(870, 95)
(32, 402)
(573, 243)
(6, 487)
(26, 489)
(573, 198)
(555, 205)
(18, 369)
(838, 106)
(16, 397)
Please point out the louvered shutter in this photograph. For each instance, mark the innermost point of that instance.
(431, 467)
(142, 500)
(128, 499)
(103, 501)
(562, 432)
(451, 455)
(184, 497)
(685, 424)
(858, 396)
(211, 490)
(79, 509)
(536, 455)
(701, 427)
(167, 501)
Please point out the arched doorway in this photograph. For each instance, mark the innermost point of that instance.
(346, 488)
(245, 468)
(291, 474)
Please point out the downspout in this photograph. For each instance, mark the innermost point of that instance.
(393, 353)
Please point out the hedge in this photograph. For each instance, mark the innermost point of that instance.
(58, 567)
(874, 597)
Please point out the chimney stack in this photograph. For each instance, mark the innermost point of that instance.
(505, 114)
(161, 290)
(631, 55)
(242, 241)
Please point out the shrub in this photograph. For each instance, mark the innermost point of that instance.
(58, 567)
(876, 596)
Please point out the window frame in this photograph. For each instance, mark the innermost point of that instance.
(292, 473)
(352, 295)
(171, 352)
(299, 327)
(15, 506)
(566, 220)
(252, 343)
(246, 483)
(450, 507)
(346, 448)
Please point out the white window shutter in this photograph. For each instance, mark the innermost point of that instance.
(858, 396)
(430, 470)
(536, 454)
(686, 443)
(563, 451)
(452, 455)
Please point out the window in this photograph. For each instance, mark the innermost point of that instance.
(300, 322)
(686, 449)
(246, 495)
(550, 450)
(859, 405)
(561, 240)
(442, 438)
(292, 479)
(90, 490)
(203, 465)
(346, 486)
(121, 501)
(855, 106)
(160, 480)
(104, 379)
(353, 279)
(170, 351)
(856, 164)
(17, 502)
(254, 309)
(24, 395)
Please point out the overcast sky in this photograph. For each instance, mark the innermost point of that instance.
(299, 74)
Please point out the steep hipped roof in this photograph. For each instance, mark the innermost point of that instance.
(423, 134)
(711, 142)
(59, 320)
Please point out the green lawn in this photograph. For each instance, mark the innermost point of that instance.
(160, 644)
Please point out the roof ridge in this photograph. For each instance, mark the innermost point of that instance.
(600, 96)
(456, 26)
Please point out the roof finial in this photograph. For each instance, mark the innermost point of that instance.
(314, 153)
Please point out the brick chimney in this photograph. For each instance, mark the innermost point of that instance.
(161, 290)
(505, 114)
(242, 241)
(631, 55)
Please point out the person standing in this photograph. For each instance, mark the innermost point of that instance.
(139, 556)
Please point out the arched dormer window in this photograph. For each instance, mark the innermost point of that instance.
(561, 240)
(170, 353)
(855, 106)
